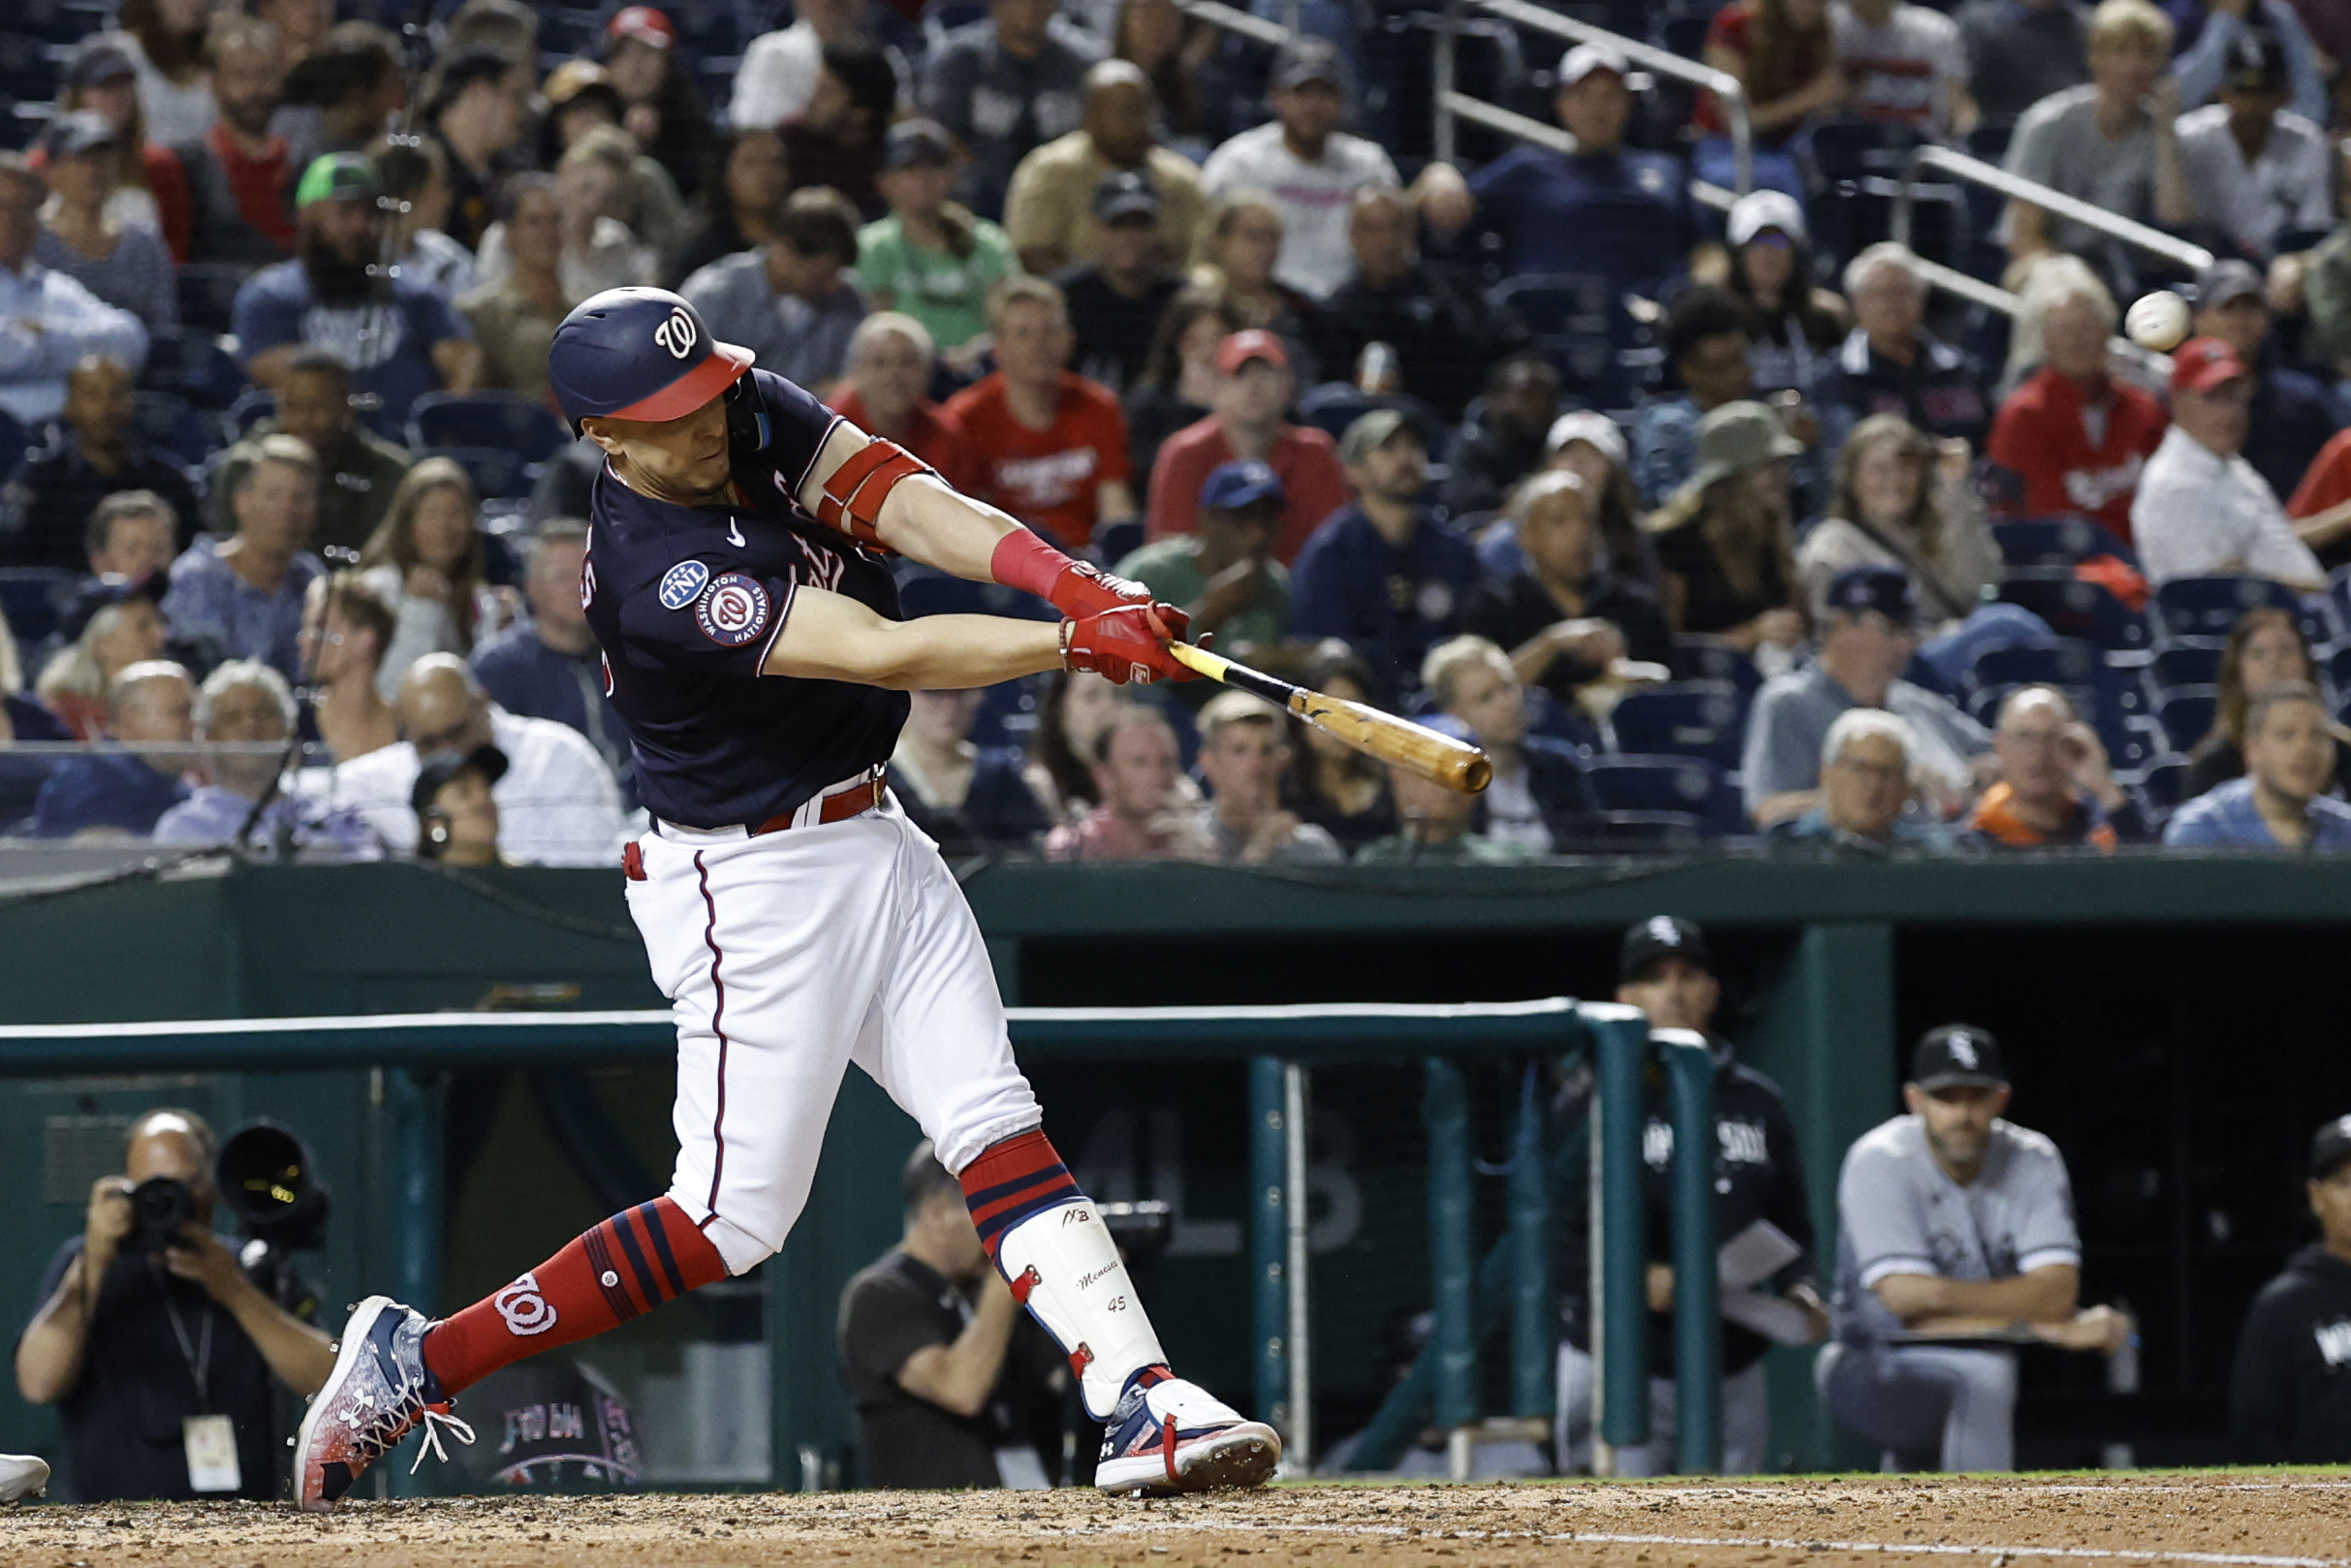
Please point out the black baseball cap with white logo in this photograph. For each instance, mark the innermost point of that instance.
(2330, 1148)
(1661, 936)
(1958, 1054)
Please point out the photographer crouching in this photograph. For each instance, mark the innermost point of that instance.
(153, 1344)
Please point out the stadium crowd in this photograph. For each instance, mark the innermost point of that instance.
(1705, 525)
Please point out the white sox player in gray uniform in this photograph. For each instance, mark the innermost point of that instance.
(1955, 1243)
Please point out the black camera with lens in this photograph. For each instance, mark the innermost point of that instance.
(159, 1207)
(270, 1183)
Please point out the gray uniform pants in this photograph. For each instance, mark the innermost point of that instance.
(1746, 1421)
(1944, 1407)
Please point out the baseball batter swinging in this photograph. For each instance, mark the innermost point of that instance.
(795, 918)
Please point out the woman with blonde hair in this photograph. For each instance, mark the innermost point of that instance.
(118, 627)
(151, 185)
(599, 252)
(425, 561)
(1725, 562)
(1238, 247)
(1902, 499)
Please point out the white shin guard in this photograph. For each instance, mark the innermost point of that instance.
(1063, 1265)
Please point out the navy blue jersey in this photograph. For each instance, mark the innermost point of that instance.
(686, 602)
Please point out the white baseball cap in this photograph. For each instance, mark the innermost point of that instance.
(1583, 424)
(1757, 210)
(1586, 58)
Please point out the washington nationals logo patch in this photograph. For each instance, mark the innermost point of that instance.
(681, 582)
(524, 1309)
(733, 610)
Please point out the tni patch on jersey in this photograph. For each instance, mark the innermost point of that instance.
(681, 582)
(733, 610)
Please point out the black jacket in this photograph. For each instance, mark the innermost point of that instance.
(1759, 1173)
(1445, 336)
(2290, 1395)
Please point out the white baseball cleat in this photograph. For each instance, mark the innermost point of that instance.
(378, 1393)
(1173, 1436)
(22, 1476)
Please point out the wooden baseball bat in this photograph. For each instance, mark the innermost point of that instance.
(1453, 764)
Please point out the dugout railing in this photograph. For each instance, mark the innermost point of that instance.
(410, 1052)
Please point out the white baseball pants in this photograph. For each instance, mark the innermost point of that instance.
(789, 956)
(1948, 1407)
(1746, 1421)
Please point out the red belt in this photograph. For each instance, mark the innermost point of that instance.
(840, 806)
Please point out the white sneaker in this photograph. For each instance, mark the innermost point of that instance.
(1173, 1436)
(22, 1476)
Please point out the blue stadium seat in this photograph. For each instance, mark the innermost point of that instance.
(2209, 606)
(196, 367)
(29, 67)
(170, 425)
(1605, 355)
(2163, 786)
(33, 598)
(207, 296)
(1685, 785)
(14, 441)
(498, 474)
(2074, 608)
(2187, 715)
(1698, 657)
(2338, 669)
(2056, 541)
(60, 22)
(1686, 718)
(2071, 663)
(505, 419)
(2188, 661)
(1334, 405)
(256, 404)
(1008, 713)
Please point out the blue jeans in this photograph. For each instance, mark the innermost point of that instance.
(1991, 626)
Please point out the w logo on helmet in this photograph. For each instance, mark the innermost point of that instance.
(676, 333)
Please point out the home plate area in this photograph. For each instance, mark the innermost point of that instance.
(2243, 1520)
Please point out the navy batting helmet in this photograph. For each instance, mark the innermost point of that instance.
(639, 354)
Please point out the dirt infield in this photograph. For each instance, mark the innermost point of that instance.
(2234, 1520)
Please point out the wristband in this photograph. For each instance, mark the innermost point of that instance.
(1023, 560)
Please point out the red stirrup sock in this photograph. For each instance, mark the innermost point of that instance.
(612, 1273)
(1010, 1181)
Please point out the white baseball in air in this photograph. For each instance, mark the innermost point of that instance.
(2158, 321)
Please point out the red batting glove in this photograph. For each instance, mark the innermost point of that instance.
(1076, 588)
(1126, 644)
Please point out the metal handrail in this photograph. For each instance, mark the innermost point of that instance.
(1721, 83)
(1217, 13)
(1992, 177)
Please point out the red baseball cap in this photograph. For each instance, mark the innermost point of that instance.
(1239, 348)
(644, 23)
(2204, 365)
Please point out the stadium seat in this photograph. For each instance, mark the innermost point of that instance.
(1687, 718)
(196, 367)
(170, 425)
(1683, 785)
(924, 590)
(2209, 606)
(255, 406)
(1118, 541)
(1605, 355)
(208, 296)
(14, 441)
(29, 67)
(2187, 715)
(2186, 663)
(60, 22)
(1334, 405)
(505, 419)
(498, 474)
(2074, 608)
(2071, 663)
(2056, 541)
(33, 598)
(1008, 713)
(1696, 657)
(2338, 669)
(2163, 786)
